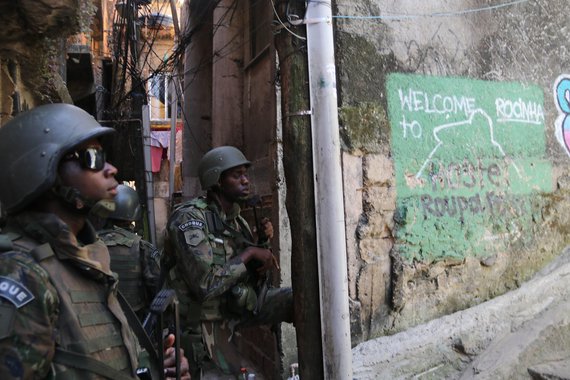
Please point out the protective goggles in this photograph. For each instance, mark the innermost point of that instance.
(89, 158)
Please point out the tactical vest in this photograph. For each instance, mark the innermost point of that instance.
(124, 248)
(92, 337)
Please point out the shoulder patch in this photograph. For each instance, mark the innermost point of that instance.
(14, 292)
(194, 237)
(155, 254)
(192, 223)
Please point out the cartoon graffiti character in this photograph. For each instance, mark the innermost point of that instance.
(562, 101)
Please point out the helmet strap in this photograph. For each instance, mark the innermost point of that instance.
(72, 198)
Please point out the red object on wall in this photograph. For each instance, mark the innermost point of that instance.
(156, 158)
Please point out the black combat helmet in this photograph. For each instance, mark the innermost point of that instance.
(127, 205)
(216, 161)
(31, 146)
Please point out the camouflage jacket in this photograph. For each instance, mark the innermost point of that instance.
(137, 262)
(58, 296)
(218, 293)
(205, 243)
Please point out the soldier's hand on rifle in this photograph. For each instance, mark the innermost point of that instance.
(170, 360)
(263, 257)
(267, 228)
(264, 231)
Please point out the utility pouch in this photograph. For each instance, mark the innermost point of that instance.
(241, 299)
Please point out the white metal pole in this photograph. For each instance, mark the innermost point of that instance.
(331, 237)
(175, 81)
(172, 145)
(148, 172)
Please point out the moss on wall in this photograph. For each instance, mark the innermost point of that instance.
(361, 69)
(364, 127)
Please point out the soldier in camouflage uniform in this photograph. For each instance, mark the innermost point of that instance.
(135, 260)
(219, 268)
(60, 316)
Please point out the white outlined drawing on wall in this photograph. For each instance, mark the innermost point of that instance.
(562, 100)
(467, 122)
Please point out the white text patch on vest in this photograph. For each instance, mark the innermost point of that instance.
(193, 223)
(14, 292)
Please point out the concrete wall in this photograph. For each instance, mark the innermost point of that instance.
(455, 159)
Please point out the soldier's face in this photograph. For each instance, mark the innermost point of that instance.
(234, 183)
(87, 171)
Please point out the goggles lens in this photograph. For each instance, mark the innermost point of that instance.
(89, 158)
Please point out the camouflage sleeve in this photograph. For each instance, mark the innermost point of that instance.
(28, 312)
(193, 251)
(150, 258)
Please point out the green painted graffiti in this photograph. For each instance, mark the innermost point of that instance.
(469, 156)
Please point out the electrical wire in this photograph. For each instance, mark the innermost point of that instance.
(283, 24)
(222, 52)
(134, 67)
(389, 16)
(132, 61)
(168, 66)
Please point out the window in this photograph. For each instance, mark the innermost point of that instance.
(160, 96)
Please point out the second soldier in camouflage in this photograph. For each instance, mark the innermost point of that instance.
(218, 265)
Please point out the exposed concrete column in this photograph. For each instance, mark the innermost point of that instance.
(227, 75)
(197, 135)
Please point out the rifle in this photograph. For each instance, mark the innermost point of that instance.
(162, 319)
(263, 240)
(253, 202)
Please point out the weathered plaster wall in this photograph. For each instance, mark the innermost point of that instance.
(32, 50)
(455, 161)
